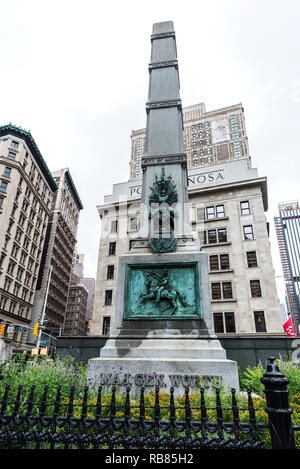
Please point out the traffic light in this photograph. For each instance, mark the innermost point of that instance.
(2, 328)
(36, 329)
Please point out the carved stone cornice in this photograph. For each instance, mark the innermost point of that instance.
(164, 159)
(163, 35)
(163, 104)
(165, 63)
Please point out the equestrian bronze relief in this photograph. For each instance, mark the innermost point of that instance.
(160, 292)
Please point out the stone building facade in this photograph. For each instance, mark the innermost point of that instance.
(75, 318)
(58, 253)
(227, 205)
(77, 278)
(26, 194)
(210, 137)
(89, 284)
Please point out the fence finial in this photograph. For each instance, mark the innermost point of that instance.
(278, 410)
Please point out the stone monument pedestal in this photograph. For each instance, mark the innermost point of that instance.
(167, 351)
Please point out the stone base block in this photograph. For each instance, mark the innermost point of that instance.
(170, 363)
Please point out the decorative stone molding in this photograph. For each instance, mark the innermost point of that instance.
(163, 104)
(163, 35)
(166, 63)
(164, 159)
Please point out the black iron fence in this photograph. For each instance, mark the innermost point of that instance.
(164, 423)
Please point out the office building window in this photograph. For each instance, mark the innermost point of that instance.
(210, 212)
(236, 145)
(133, 224)
(233, 118)
(114, 226)
(220, 211)
(215, 212)
(227, 290)
(216, 293)
(235, 136)
(195, 162)
(108, 297)
(110, 272)
(248, 232)
(106, 325)
(219, 262)
(229, 322)
(220, 319)
(218, 323)
(14, 144)
(224, 262)
(237, 153)
(222, 235)
(214, 262)
(11, 155)
(255, 288)
(7, 172)
(3, 186)
(212, 236)
(112, 249)
(138, 149)
(221, 290)
(251, 259)
(137, 174)
(1, 202)
(234, 127)
(260, 323)
(245, 208)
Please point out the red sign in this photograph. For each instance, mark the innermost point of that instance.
(288, 327)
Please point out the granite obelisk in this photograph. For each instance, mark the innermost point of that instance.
(163, 324)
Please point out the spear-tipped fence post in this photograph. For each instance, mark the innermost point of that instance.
(278, 410)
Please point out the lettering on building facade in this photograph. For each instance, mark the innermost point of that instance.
(193, 180)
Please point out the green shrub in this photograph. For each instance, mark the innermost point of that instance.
(252, 376)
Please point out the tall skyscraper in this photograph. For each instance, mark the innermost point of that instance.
(287, 226)
(75, 319)
(210, 137)
(82, 308)
(55, 273)
(26, 194)
(89, 284)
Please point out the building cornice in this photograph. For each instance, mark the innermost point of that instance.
(72, 189)
(19, 132)
(262, 182)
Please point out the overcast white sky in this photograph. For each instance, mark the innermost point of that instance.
(76, 75)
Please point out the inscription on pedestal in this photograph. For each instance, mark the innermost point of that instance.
(160, 380)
